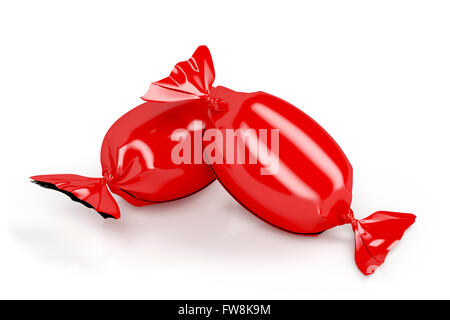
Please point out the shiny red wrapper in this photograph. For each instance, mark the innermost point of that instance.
(309, 190)
(136, 160)
(282, 166)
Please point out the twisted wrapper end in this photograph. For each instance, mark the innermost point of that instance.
(376, 235)
(190, 79)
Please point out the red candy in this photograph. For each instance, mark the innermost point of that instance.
(292, 174)
(271, 157)
(136, 160)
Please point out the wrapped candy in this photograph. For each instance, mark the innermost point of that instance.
(136, 158)
(277, 162)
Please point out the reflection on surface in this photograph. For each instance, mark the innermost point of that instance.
(303, 142)
(143, 149)
(284, 175)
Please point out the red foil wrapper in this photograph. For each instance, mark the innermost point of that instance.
(303, 184)
(136, 160)
(281, 166)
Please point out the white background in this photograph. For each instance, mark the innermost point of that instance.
(375, 74)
